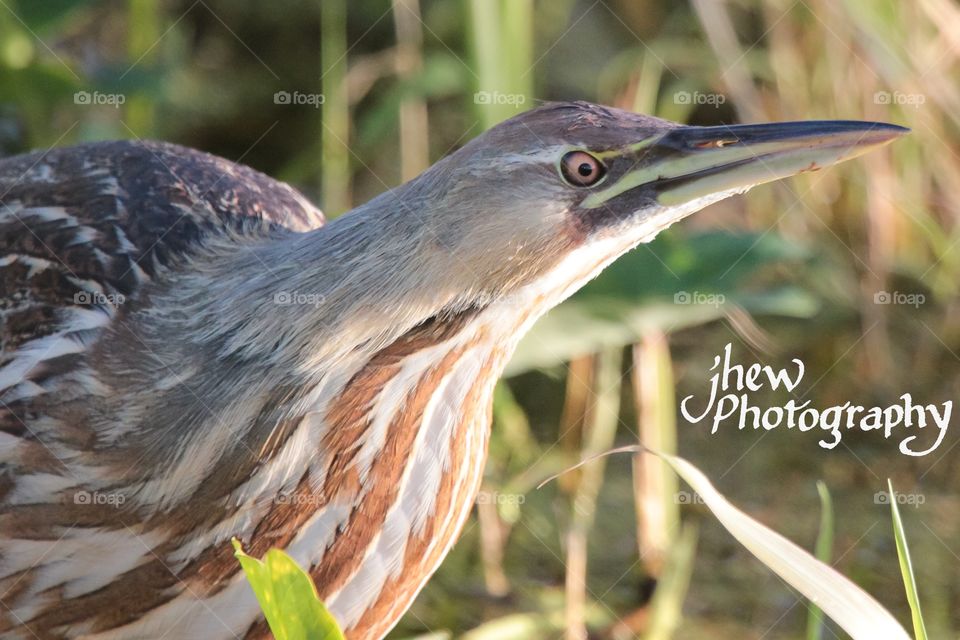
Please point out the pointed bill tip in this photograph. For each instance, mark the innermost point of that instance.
(713, 159)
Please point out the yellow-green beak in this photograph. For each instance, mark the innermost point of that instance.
(687, 163)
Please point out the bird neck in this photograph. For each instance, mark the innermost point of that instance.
(255, 334)
(263, 332)
(359, 401)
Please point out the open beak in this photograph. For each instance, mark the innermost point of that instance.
(687, 163)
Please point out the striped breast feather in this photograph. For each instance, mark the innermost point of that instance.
(82, 228)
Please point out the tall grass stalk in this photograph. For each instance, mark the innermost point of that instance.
(335, 161)
(823, 551)
(599, 435)
(655, 485)
(414, 132)
(666, 606)
(143, 31)
(500, 33)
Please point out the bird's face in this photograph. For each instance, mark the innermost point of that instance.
(574, 185)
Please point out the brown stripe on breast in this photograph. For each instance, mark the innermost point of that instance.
(211, 570)
(150, 585)
(457, 492)
(348, 419)
(343, 557)
(349, 416)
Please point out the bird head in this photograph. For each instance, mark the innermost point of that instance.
(571, 186)
(516, 220)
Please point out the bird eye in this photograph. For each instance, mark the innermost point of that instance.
(581, 169)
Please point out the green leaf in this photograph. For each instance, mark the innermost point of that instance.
(906, 567)
(287, 597)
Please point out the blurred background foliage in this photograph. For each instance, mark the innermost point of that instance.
(378, 89)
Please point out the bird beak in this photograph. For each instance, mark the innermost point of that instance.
(687, 163)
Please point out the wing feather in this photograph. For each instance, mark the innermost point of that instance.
(82, 228)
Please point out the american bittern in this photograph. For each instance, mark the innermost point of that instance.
(191, 354)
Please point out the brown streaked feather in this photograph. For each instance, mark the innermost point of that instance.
(122, 601)
(457, 490)
(343, 556)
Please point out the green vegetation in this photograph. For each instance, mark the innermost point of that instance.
(795, 269)
(906, 567)
(823, 552)
(293, 611)
(287, 597)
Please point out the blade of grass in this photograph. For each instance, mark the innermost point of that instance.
(514, 427)
(577, 404)
(414, 133)
(500, 33)
(852, 608)
(823, 551)
(599, 434)
(485, 59)
(847, 604)
(517, 57)
(666, 607)
(721, 34)
(143, 31)
(655, 487)
(335, 165)
(648, 85)
(906, 567)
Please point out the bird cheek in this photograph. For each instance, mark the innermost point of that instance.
(614, 213)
